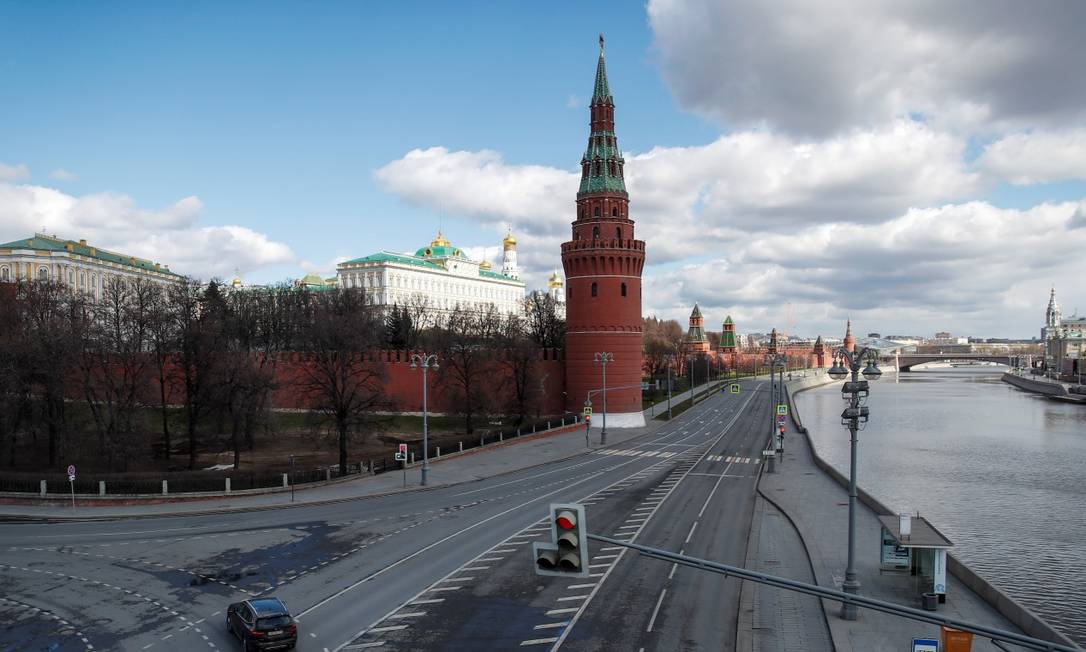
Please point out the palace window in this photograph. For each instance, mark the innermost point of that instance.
(618, 232)
(4, 274)
(623, 289)
(43, 274)
(596, 230)
(596, 213)
(594, 289)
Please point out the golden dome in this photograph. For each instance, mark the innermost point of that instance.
(509, 242)
(440, 241)
(237, 282)
(555, 280)
(485, 265)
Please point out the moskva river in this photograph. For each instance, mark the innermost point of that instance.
(999, 471)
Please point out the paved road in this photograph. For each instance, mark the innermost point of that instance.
(447, 568)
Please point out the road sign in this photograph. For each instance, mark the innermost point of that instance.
(782, 410)
(401, 454)
(587, 411)
(925, 645)
(71, 478)
(71, 469)
(781, 418)
(735, 388)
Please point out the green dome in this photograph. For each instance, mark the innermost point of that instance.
(439, 251)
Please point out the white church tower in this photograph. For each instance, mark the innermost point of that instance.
(509, 257)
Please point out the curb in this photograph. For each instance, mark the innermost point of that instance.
(25, 518)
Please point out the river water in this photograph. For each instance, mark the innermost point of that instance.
(999, 471)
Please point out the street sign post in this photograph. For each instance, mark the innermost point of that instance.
(782, 410)
(401, 457)
(925, 645)
(71, 482)
(587, 411)
(735, 388)
(291, 478)
(781, 418)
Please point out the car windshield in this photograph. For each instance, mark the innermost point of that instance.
(272, 622)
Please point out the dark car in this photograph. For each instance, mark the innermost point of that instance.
(262, 624)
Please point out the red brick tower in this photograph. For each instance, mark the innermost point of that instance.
(603, 264)
(850, 341)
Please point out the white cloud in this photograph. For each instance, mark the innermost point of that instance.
(113, 221)
(9, 173)
(714, 194)
(60, 174)
(971, 267)
(1037, 157)
(821, 67)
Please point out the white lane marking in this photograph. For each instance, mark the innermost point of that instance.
(691, 535)
(551, 625)
(410, 614)
(433, 545)
(713, 492)
(656, 611)
(538, 641)
(388, 628)
(571, 598)
(466, 578)
(427, 601)
(724, 431)
(558, 612)
(580, 586)
(361, 646)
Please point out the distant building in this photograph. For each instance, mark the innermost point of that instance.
(439, 274)
(1064, 339)
(76, 264)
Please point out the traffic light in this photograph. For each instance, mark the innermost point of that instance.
(567, 553)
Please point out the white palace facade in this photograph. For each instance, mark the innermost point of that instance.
(439, 274)
(75, 264)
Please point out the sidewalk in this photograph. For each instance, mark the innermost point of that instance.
(477, 464)
(817, 508)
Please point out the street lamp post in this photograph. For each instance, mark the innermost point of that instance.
(425, 362)
(855, 391)
(775, 362)
(670, 360)
(603, 359)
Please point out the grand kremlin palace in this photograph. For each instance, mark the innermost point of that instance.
(441, 274)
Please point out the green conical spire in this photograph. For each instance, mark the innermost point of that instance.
(601, 91)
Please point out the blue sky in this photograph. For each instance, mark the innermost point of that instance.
(276, 114)
(768, 149)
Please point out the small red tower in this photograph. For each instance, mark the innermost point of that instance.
(850, 341)
(603, 264)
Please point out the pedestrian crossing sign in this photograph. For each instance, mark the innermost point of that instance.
(782, 410)
(735, 388)
(587, 411)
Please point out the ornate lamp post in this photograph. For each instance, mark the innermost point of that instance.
(426, 362)
(670, 361)
(603, 359)
(775, 362)
(855, 392)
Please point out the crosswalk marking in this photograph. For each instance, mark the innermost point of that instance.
(731, 459)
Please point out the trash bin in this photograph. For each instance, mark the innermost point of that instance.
(930, 601)
(955, 640)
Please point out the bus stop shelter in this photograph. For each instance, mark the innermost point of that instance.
(921, 550)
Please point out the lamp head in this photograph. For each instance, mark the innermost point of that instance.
(872, 371)
(837, 371)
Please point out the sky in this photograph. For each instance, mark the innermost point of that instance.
(916, 167)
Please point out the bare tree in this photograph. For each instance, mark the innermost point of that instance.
(197, 324)
(465, 344)
(50, 316)
(338, 377)
(520, 358)
(545, 325)
(661, 339)
(114, 365)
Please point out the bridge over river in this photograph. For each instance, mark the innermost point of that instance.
(906, 361)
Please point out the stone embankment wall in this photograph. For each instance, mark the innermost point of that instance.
(1035, 385)
(1029, 622)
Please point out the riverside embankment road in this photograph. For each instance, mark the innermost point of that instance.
(446, 568)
